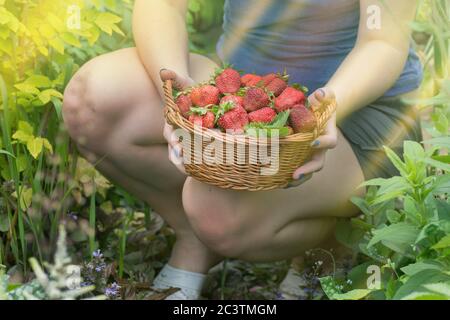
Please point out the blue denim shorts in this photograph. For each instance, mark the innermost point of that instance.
(386, 122)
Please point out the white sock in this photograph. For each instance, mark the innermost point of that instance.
(189, 283)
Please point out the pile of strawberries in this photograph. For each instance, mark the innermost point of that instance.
(235, 104)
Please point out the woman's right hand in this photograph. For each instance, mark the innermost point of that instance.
(175, 147)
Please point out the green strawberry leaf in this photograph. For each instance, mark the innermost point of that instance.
(225, 65)
(278, 125)
(255, 131)
(284, 76)
(220, 110)
(300, 87)
(281, 119)
(241, 92)
(201, 111)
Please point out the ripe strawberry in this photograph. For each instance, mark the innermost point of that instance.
(277, 86)
(205, 121)
(289, 98)
(234, 120)
(302, 119)
(184, 103)
(229, 81)
(254, 82)
(264, 115)
(246, 78)
(269, 78)
(250, 80)
(255, 98)
(205, 95)
(236, 100)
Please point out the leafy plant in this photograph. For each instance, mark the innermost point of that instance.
(404, 229)
(204, 21)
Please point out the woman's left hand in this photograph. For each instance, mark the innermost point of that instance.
(328, 140)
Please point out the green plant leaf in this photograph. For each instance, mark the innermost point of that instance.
(35, 147)
(441, 142)
(25, 127)
(47, 145)
(413, 151)
(443, 210)
(417, 267)
(389, 188)
(410, 210)
(437, 164)
(39, 81)
(397, 237)
(27, 88)
(359, 276)
(440, 120)
(4, 223)
(46, 95)
(105, 21)
(443, 243)
(356, 294)
(417, 281)
(348, 235)
(7, 153)
(71, 39)
(441, 184)
(440, 288)
(329, 286)
(26, 196)
(22, 136)
(393, 216)
(362, 205)
(396, 161)
(425, 296)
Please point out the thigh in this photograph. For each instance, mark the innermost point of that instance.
(119, 101)
(258, 217)
(114, 111)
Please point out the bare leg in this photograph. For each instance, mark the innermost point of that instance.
(114, 113)
(280, 224)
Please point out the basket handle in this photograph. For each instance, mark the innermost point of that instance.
(323, 115)
(168, 95)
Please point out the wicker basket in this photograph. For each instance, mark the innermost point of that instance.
(247, 170)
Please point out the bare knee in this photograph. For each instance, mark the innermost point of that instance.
(79, 109)
(216, 225)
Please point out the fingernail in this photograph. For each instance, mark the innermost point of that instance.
(163, 69)
(301, 176)
(177, 152)
(315, 144)
(322, 92)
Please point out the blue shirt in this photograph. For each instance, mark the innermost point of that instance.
(307, 38)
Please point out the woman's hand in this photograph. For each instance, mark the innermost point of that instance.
(323, 143)
(175, 147)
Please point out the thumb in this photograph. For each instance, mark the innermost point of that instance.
(320, 97)
(179, 82)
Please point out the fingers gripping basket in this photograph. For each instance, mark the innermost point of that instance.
(242, 162)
